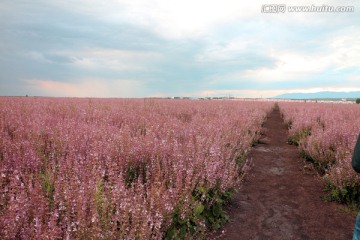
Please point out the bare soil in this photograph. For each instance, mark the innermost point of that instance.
(280, 198)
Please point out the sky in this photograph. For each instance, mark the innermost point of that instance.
(168, 48)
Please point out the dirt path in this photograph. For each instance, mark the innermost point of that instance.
(279, 199)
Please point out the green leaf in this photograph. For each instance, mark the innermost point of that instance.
(201, 189)
(217, 210)
(170, 234)
(199, 209)
(219, 200)
(182, 233)
(183, 221)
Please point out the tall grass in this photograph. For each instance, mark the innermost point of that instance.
(119, 168)
(326, 135)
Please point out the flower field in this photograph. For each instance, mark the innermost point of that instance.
(326, 135)
(128, 168)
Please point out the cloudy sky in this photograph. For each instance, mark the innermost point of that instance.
(198, 48)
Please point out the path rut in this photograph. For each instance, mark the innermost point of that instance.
(280, 199)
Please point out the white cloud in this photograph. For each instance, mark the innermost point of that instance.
(289, 66)
(264, 48)
(322, 89)
(345, 51)
(179, 19)
(241, 93)
(229, 51)
(85, 88)
(36, 56)
(253, 93)
(338, 54)
(168, 18)
(354, 78)
(113, 59)
(99, 58)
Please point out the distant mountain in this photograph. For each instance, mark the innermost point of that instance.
(319, 95)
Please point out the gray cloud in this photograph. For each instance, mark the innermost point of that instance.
(49, 41)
